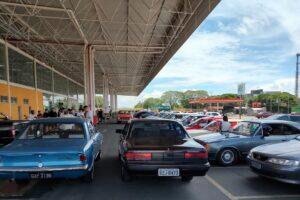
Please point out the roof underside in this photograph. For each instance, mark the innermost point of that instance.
(133, 39)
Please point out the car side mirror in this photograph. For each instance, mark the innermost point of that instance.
(120, 131)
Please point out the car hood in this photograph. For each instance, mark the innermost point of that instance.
(217, 137)
(44, 146)
(290, 148)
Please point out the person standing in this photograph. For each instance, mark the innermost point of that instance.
(31, 115)
(88, 115)
(46, 113)
(52, 113)
(100, 116)
(225, 124)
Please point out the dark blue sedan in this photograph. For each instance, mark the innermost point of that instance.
(52, 148)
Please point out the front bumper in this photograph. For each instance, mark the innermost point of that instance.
(71, 172)
(185, 169)
(280, 173)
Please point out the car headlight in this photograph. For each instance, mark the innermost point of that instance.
(284, 162)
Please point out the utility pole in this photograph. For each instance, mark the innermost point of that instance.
(297, 75)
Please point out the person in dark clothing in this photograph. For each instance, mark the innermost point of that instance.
(53, 113)
(46, 113)
(100, 115)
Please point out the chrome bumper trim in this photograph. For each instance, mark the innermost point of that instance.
(42, 169)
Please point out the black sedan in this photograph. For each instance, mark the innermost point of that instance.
(160, 148)
(279, 161)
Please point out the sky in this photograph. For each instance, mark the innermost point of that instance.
(254, 42)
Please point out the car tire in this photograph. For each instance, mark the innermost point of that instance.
(186, 178)
(22, 182)
(227, 157)
(89, 177)
(125, 175)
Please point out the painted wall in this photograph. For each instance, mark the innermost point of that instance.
(19, 110)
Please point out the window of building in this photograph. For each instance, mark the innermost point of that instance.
(2, 63)
(60, 84)
(14, 100)
(20, 68)
(26, 101)
(44, 78)
(4, 99)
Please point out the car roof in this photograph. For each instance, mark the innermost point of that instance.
(273, 121)
(59, 120)
(152, 120)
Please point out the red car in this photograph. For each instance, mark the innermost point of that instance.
(124, 116)
(200, 123)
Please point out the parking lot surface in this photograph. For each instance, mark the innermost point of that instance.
(232, 183)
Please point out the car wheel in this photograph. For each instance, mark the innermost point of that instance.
(228, 157)
(186, 178)
(89, 177)
(125, 175)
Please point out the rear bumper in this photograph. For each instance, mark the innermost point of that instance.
(185, 169)
(279, 173)
(71, 172)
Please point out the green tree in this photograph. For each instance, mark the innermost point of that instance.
(98, 101)
(139, 106)
(192, 94)
(276, 101)
(152, 103)
(228, 96)
(172, 98)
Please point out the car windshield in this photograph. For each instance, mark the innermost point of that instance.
(245, 128)
(157, 129)
(124, 112)
(52, 131)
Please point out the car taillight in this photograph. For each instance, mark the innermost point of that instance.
(82, 157)
(138, 156)
(190, 155)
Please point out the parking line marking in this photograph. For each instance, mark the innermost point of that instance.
(268, 197)
(221, 188)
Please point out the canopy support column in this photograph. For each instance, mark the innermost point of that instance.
(105, 95)
(89, 77)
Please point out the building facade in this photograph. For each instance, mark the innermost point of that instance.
(27, 84)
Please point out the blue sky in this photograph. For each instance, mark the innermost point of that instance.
(240, 41)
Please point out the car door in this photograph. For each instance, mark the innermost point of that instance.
(96, 142)
(276, 133)
(123, 138)
(290, 131)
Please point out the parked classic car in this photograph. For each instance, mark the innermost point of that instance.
(227, 148)
(161, 148)
(202, 122)
(52, 148)
(9, 129)
(279, 161)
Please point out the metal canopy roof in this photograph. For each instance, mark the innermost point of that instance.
(133, 39)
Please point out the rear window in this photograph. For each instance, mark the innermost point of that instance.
(124, 112)
(52, 131)
(157, 129)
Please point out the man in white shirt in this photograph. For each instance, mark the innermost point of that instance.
(225, 124)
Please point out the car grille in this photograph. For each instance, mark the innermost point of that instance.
(260, 157)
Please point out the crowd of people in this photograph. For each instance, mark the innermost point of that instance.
(83, 112)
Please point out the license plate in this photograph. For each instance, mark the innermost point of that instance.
(256, 165)
(40, 175)
(168, 172)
